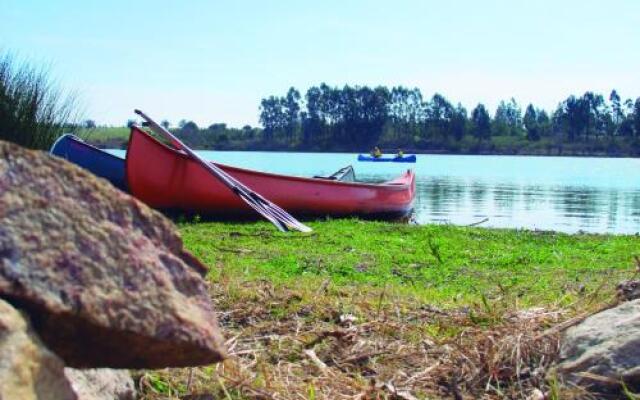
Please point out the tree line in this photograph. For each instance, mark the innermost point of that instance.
(356, 118)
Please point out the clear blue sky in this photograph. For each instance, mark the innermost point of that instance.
(213, 61)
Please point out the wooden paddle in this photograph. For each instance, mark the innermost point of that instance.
(276, 215)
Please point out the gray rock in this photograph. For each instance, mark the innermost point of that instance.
(104, 278)
(28, 370)
(101, 384)
(604, 350)
(628, 290)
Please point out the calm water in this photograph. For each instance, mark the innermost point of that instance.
(549, 193)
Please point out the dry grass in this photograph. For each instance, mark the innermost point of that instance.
(335, 343)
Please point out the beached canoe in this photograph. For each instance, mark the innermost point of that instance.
(405, 159)
(168, 179)
(96, 161)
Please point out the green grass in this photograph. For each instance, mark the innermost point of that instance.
(104, 134)
(438, 263)
(446, 298)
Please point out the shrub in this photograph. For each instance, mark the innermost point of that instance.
(33, 110)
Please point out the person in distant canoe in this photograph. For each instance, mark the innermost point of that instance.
(400, 153)
(376, 153)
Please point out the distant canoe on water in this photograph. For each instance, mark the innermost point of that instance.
(404, 159)
(165, 178)
(96, 161)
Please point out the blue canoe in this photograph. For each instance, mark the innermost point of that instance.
(408, 159)
(96, 161)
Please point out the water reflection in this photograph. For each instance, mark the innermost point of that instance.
(505, 204)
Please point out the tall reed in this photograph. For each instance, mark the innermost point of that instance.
(34, 110)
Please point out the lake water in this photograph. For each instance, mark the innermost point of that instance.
(565, 194)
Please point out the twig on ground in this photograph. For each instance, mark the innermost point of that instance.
(479, 222)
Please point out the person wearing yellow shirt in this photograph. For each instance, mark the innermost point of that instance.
(376, 153)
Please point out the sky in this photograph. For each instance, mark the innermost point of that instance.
(213, 61)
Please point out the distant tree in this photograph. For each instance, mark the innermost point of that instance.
(165, 124)
(405, 105)
(247, 132)
(596, 114)
(531, 123)
(217, 127)
(291, 108)
(459, 122)
(182, 123)
(438, 116)
(272, 116)
(508, 119)
(311, 122)
(628, 104)
(636, 117)
(189, 128)
(571, 117)
(626, 127)
(481, 122)
(89, 124)
(544, 123)
(616, 107)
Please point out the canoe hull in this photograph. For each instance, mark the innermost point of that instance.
(405, 159)
(167, 179)
(96, 161)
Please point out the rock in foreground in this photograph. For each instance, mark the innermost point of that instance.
(101, 384)
(28, 370)
(104, 278)
(604, 350)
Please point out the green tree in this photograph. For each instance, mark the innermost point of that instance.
(636, 117)
(272, 117)
(531, 123)
(616, 107)
(544, 123)
(291, 109)
(481, 122)
(508, 119)
(438, 116)
(459, 122)
(311, 121)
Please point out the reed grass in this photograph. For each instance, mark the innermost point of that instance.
(34, 110)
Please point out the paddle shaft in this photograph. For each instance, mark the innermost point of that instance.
(276, 215)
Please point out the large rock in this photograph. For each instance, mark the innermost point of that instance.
(604, 350)
(104, 278)
(28, 370)
(101, 384)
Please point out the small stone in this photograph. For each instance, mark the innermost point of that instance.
(628, 290)
(101, 384)
(536, 394)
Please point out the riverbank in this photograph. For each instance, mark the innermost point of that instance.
(117, 138)
(366, 307)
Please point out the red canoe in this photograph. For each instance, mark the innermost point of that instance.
(168, 179)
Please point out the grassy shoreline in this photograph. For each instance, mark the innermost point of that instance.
(365, 308)
(443, 264)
